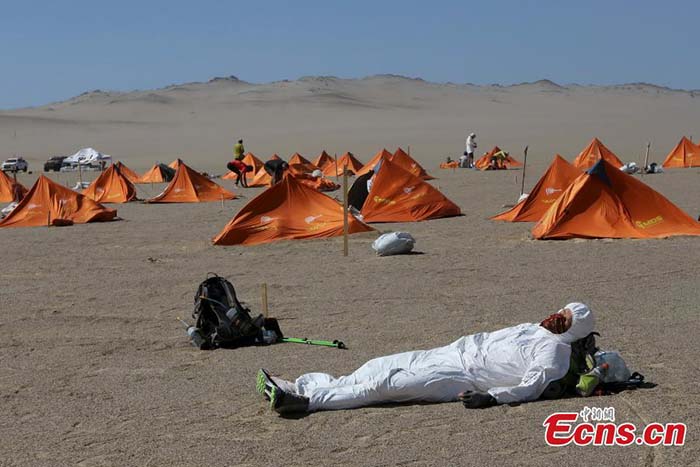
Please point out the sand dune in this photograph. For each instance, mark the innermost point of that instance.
(200, 121)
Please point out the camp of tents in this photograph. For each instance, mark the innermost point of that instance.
(591, 198)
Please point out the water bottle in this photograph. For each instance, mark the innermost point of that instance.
(196, 338)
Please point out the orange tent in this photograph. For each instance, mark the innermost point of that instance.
(406, 162)
(111, 187)
(324, 160)
(189, 186)
(49, 203)
(159, 173)
(262, 178)
(250, 160)
(128, 173)
(595, 151)
(400, 196)
(275, 156)
(299, 159)
(685, 154)
(484, 161)
(174, 164)
(548, 188)
(605, 202)
(347, 161)
(287, 211)
(381, 155)
(7, 188)
(449, 165)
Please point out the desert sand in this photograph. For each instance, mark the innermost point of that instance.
(97, 371)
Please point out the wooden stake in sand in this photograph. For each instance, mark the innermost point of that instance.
(522, 182)
(345, 213)
(263, 292)
(335, 156)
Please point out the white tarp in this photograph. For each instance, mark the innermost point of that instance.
(87, 156)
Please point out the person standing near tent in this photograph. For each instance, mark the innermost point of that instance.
(515, 364)
(469, 150)
(237, 165)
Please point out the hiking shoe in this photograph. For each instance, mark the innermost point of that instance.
(288, 402)
(264, 385)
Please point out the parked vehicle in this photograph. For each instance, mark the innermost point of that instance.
(15, 164)
(54, 163)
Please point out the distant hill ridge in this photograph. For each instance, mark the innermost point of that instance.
(543, 85)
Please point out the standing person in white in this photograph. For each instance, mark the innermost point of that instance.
(514, 364)
(470, 148)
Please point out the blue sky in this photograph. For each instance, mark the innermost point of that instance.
(54, 50)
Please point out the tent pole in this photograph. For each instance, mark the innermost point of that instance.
(522, 182)
(263, 292)
(646, 158)
(345, 213)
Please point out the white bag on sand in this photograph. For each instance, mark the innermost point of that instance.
(617, 368)
(393, 243)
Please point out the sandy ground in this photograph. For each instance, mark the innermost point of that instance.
(95, 370)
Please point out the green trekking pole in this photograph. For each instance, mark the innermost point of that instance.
(296, 340)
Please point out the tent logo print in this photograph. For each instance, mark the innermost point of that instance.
(266, 219)
(409, 189)
(311, 219)
(178, 190)
(33, 206)
(649, 222)
(551, 191)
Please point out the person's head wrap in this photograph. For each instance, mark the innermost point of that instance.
(582, 322)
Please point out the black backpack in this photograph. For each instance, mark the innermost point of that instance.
(222, 320)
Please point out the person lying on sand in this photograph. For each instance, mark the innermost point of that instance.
(515, 364)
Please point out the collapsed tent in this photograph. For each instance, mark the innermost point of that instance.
(48, 203)
(346, 162)
(508, 162)
(189, 186)
(485, 160)
(369, 166)
(251, 161)
(324, 160)
(449, 165)
(127, 172)
(287, 211)
(111, 187)
(400, 196)
(685, 154)
(159, 173)
(548, 188)
(605, 202)
(409, 164)
(592, 153)
(9, 189)
(317, 183)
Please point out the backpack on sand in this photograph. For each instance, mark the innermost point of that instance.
(224, 322)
